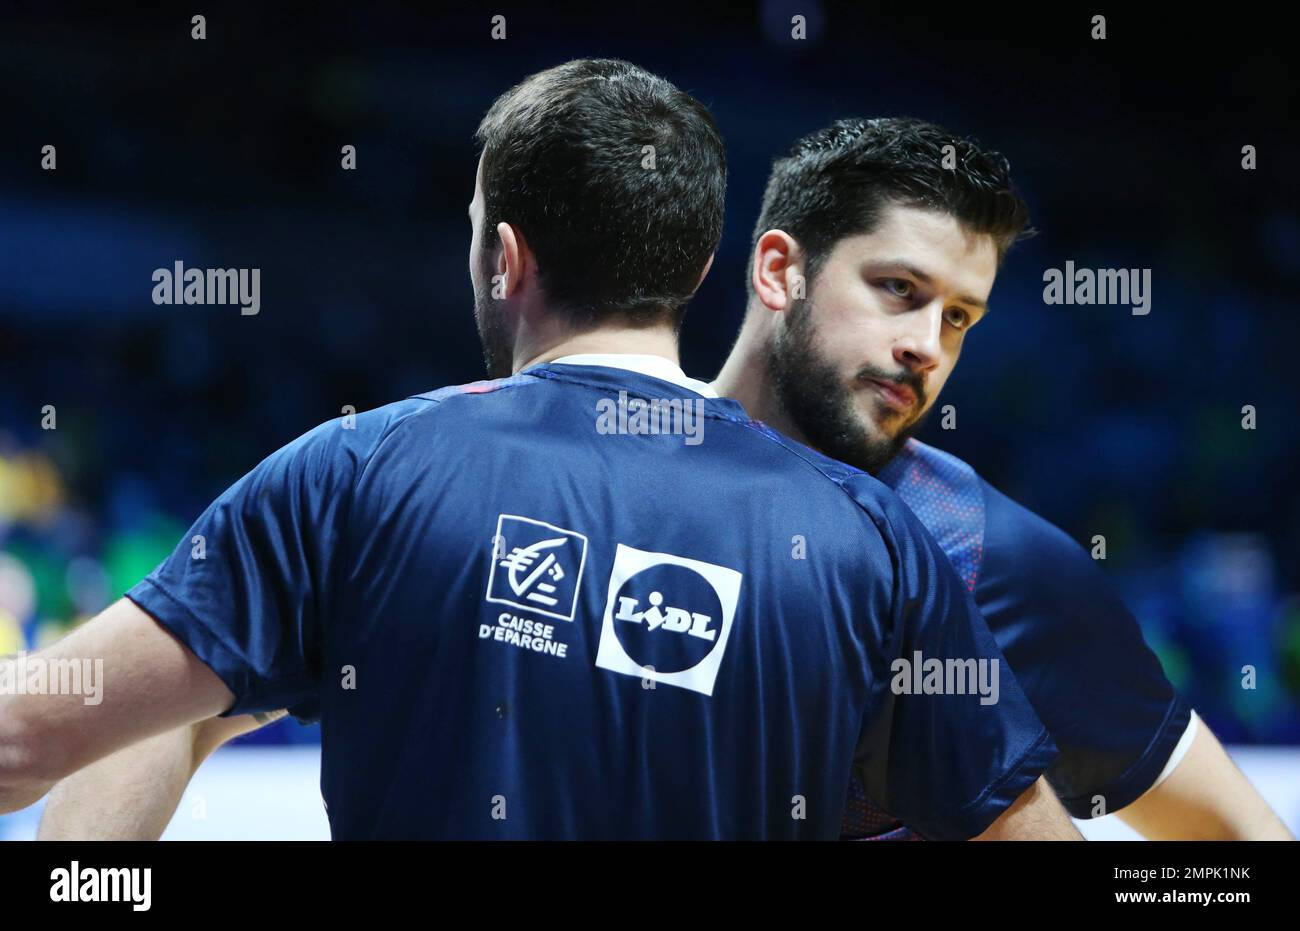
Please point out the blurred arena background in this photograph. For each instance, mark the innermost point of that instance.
(225, 153)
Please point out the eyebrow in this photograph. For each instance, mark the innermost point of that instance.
(917, 273)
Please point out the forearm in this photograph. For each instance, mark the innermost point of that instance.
(129, 795)
(16, 795)
(134, 793)
(22, 781)
(1205, 798)
(1241, 815)
(123, 679)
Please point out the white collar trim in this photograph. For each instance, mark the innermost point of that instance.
(654, 366)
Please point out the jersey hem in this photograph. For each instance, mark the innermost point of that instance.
(976, 817)
(1143, 775)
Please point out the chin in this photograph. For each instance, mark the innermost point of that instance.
(887, 428)
(873, 423)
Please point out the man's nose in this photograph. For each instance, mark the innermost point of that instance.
(918, 343)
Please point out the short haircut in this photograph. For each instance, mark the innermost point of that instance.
(837, 181)
(617, 228)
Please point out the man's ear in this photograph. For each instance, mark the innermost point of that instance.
(515, 259)
(777, 275)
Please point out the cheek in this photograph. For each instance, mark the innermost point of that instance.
(839, 345)
(938, 378)
(475, 266)
(853, 325)
(845, 328)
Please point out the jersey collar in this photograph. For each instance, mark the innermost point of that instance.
(653, 366)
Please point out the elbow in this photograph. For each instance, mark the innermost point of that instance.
(17, 779)
(30, 762)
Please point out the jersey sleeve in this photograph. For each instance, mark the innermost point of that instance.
(306, 712)
(248, 588)
(1080, 656)
(950, 741)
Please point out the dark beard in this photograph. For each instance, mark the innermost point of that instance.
(813, 397)
(498, 354)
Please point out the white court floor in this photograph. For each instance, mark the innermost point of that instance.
(273, 793)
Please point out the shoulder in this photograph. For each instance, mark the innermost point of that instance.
(921, 465)
(1021, 543)
(1035, 572)
(948, 496)
(857, 491)
(354, 437)
(475, 388)
(338, 449)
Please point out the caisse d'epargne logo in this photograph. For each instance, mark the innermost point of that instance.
(536, 566)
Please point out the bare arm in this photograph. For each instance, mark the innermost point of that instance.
(1036, 815)
(134, 793)
(149, 683)
(1205, 798)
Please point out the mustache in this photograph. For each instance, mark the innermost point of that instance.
(905, 377)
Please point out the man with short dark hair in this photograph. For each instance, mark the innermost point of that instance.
(875, 254)
(522, 615)
(625, 234)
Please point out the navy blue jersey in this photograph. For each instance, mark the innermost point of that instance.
(523, 615)
(1072, 644)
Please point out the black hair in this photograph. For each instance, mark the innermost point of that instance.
(837, 181)
(618, 227)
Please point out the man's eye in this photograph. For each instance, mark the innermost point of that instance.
(899, 287)
(957, 317)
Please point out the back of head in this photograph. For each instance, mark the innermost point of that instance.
(616, 179)
(837, 181)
